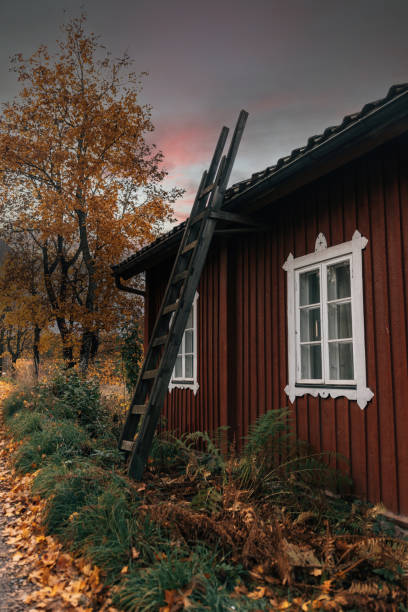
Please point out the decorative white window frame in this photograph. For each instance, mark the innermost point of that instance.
(353, 251)
(189, 383)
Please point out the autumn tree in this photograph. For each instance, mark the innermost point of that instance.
(80, 178)
(24, 309)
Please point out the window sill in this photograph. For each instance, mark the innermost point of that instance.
(181, 384)
(361, 395)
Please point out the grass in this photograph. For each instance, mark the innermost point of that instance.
(59, 440)
(207, 529)
(198, 580)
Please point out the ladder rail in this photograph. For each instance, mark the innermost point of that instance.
(171, 320)
(141, 388)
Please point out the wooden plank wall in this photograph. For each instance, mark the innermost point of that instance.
(242, 323)
(207, 410)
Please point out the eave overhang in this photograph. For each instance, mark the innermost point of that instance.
(376, 123)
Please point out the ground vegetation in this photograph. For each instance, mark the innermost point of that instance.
(273, 528)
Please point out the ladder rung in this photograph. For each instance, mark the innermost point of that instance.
(170, 308)
(207, 190)
(180, 276)
(190, 246)
(127, 445)
(139, 409)
(150, 374)
(160, 341)
(200, 216)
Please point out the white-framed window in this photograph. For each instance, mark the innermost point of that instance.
(326, 349)
(185, 369)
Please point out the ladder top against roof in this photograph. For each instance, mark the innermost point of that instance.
(156, 371)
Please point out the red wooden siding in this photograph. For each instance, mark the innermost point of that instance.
(206, 410)
(242, 348)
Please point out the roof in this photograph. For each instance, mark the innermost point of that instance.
(371, 114)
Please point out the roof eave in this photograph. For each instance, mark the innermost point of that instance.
(368, 132)
(371, 130)
(149, 257)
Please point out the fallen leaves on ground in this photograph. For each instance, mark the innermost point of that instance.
(60, 581)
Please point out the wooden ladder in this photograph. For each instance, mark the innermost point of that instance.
(154, 378)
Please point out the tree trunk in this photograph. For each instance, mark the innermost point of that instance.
(2, 348)
(67, 348)
(36, 351)
(89, 349)
(94, 345)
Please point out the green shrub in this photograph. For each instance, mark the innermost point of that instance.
(109, 528)
(79, 399)
(168, 453)
(71, 493)
(63, 439)
(48, 477)
(25, 423)
(199, 576)
(15, 402)
(132, 351)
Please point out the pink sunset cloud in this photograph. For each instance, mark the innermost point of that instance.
(185, 143)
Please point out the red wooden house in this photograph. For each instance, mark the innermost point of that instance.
(311, 312)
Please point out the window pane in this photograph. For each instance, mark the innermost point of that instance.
(311, 361)
(310, 287)
(178, 371)
(190, 320)
(340, 321)
(341, 361)
(189, 366)
(189, 341)
(310, 324)
(338, 281)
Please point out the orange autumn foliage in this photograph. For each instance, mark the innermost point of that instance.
(80, 179)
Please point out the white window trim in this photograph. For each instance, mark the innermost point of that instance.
(352, 249)
(190, 383)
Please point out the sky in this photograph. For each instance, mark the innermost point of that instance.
(297, 66)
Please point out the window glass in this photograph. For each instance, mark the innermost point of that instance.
(311, 361)
(188, 340)
(341, 360)
(310, 324)
(339, 315)
(184, 368)
(310, 287)
(338, 281)
(189, 366)
(178, 370)
(190, 322)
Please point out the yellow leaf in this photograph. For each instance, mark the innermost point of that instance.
(258, 593)
(124, 569)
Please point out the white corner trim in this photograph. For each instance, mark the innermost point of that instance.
(191, 384)
(361, 393)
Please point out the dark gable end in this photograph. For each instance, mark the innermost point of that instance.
(358, 133)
